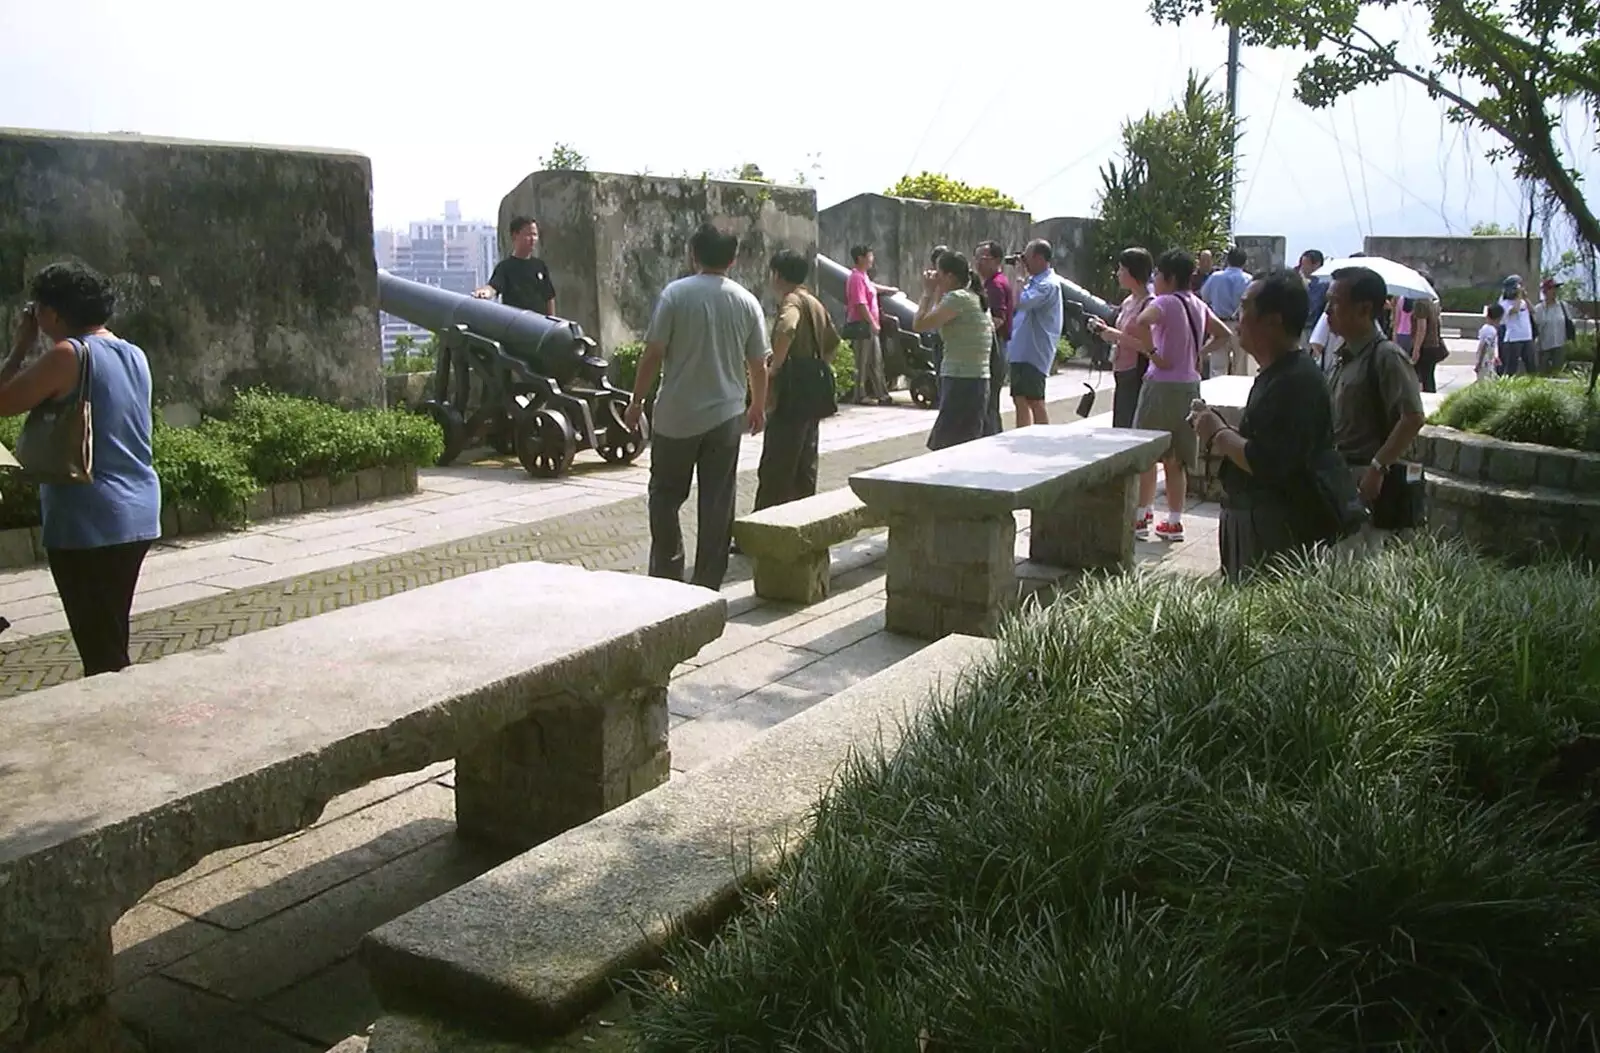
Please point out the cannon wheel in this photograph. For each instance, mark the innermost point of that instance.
(503, 436)
(924, 389)
(454, 428)
(545, 443)
(619, 444)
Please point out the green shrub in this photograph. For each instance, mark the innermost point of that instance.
(1578, 350)
(285, 437)
(203, 468)
(1345, 808)
(403, 362)
(1471, 300)
(19, 499)
(1065, 351)
(844, 370)
(933, 186)
(625, 365)
(1550, 411)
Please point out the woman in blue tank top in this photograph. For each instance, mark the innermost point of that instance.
(95, 534)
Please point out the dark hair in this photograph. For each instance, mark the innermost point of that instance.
(81, 295)
(713, 248)
(1366, 286)
(519, 223)
(1496, 311)
(992, 249)
(858, 251)
(1138, 262)
(1285, 296)
(1315, 256)
(1177, 265)
(938, 254)
(791, 266)
(956, 264)
(1236, 257)
(1042, 247)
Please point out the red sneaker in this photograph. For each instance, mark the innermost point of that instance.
(1169, 531)
(1141, 527)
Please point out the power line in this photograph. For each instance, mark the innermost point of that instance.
(1355, 125)
(1250, 189)
(1355, 213)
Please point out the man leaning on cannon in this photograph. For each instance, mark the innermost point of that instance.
(522, 280)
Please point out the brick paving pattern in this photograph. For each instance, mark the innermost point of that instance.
(611, 537)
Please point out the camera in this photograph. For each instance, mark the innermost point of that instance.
(1013, 259)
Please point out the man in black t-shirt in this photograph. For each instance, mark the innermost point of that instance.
(521, 279)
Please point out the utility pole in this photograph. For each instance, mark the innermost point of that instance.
(1233, 120)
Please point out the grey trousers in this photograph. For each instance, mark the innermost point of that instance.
(711, 459)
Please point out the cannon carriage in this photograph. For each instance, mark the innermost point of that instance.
(521, 382)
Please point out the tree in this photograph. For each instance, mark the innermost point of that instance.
(563, 158)
(931, 186)
(1515, 66)
(1174, 185)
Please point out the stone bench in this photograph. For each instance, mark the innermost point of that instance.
(547, 684)
(789, 543)
(528, 948)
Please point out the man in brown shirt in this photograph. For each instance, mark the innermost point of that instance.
(802, 329)
(1377, 402)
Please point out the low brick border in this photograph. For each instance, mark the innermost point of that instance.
(21, 546)
(1481, 459)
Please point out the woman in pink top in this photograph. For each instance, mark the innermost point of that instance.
(1127, 365)
(861, 329)
(1172, 332)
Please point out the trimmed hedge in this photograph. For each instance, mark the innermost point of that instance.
(267, 438)
(1548, 411)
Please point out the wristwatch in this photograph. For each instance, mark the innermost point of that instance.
(1378, 466)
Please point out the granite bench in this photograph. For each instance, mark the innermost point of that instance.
(952, 530)
(789, 543)
(528, 948)
(547, 684)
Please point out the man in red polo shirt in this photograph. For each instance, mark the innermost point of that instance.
(990, 259)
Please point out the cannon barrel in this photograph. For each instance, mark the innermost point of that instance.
(831, 276)
(552, 346)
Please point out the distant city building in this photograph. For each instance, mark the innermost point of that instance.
(448, 253)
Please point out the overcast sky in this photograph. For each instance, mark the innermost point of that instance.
(461, 100)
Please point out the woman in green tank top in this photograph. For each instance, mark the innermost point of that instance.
(953, 306)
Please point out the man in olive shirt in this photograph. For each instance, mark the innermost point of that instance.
(1377, 400)
(521, 279)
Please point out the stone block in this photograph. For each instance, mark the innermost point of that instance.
(342, 490)
(259, 506)
(286, 499)
(573, 759)
(1470, 459)
(193, 520)
(803, 579)
(1443, 451)
(37, 534)
(1554, 469)
(949, 575)
(1586, 473)
(314, 493)
(530, 947)
(1421, 451)
(16, 547)
(1511, 464)
(394, 480)
(1089, 529)
(369, 484)
(410, 485)
(806, 526)
(169, 520)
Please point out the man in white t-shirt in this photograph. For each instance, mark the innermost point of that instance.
(1516, 346)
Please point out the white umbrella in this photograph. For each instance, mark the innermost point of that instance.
(1402, 280)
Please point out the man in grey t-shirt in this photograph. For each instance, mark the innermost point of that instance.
(706, 338)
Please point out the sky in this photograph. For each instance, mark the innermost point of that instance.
(460, 101)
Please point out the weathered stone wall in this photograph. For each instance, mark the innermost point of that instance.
(902, 232)
(235, 265)
(613, 242)
(1074, 259)
(1463, 262)
(1263, 252)
(1511, 499)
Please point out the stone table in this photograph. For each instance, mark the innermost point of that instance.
(952, 530)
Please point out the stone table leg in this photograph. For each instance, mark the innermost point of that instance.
(949, 575)
(567, 763)
(1089, 529)
(797, 579)
(58, 1005)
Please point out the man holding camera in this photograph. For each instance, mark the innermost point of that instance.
(990, 259)
(1035, 332)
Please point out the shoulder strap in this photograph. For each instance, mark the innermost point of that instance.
(1375, 386)
(1188, 316)
(85, 370)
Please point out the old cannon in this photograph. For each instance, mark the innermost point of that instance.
(522, 382)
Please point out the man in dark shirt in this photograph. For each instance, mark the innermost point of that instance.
(521, 279)
(990, 258)
(1271, 501)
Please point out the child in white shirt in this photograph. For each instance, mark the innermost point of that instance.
(1489, 341)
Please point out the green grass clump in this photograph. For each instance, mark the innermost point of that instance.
(1345, 808)
(1549, 411)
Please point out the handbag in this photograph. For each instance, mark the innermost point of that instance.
(57, 441)
(1330, 508)
(858, 329)
(1400, 504)
(805, 383)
